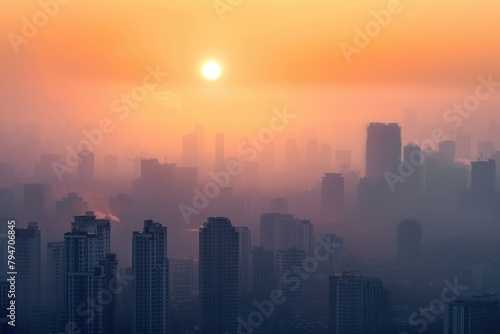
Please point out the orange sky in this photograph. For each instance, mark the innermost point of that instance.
(274, 53)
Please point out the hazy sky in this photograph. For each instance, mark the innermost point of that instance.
(273, 53)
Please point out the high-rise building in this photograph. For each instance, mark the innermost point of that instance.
(71, 205)
(151, 275)
(483, 176)
(278, 231)
(89, 270)
(383, 149)
(335, 245)
(332, 196)
(44, 172)
(414, 182)
(56, 285)
(473, 315)
(28, 278)
(409, 234)
(496, 157)
(183, 276)
(286, 276)
(263, 276)
(357, 304)
(244, 270)
(464, 147)
(306, 234)
(86, 165)
(218, 276)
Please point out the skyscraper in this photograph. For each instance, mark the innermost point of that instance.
(286, 276)
(244, 269)
(409, 233)
(182, 276)
(263, 276)
(483, 176)
(218, 276)
(28, 282)
(151, 271)
(334, 262)
(474, 315)
(56, 285)
(383, 149)
(357, 304)
(89, 267)
(306, 234)
(332, 196)
(278, 232)
(447, 153)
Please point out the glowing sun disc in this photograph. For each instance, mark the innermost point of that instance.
(211, 70)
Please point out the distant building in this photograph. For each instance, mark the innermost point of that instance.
(335, 245)
(286, 277)
(56, 286)
(409, 240)
(218, 276)
(485, 149)
(474, 315)
(332, 196)
(483, 176)
(89, 268)
(183, 277)
(111, 166)
(279, 205)
(306, 235)
(357, 304)
(34, 201)
(263, 275)
(244, 266)
(190, 151)
(71, 205)
(28, 278)
(383, 149)
(219, 152)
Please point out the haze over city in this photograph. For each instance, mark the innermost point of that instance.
(249, 167)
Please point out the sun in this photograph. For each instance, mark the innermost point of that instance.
(211, 70)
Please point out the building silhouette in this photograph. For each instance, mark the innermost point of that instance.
(56, 286)
(151, 279)
(86, 166)
(473, 315)
(263, 275)
(357, 304)
(28, 278)
(483, 176)
(89, 270)
(332, 196)
(244, 266)
(218, 276)
(287, 279)
(383, 149)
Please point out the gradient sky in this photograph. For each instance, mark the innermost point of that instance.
(274, 53)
